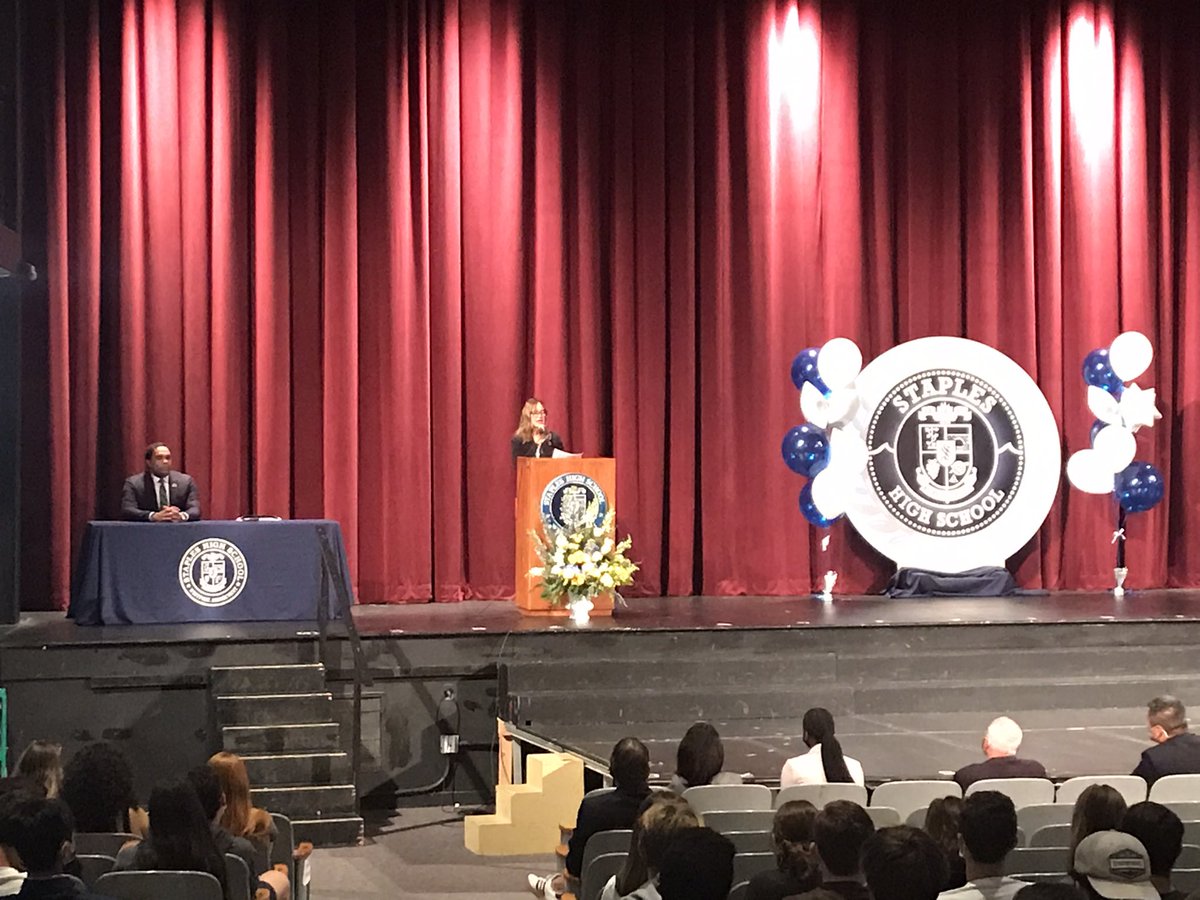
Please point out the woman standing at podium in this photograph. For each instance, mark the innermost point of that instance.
(531, 437)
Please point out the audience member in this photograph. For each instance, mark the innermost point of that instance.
(1176, 750)
(180, 837)
(839, 832)
(1161, 833)
(663, 815)
(208, 790)
(824, 763)
(796, 868)
(987, 834)
(903, 863)
(818, 894)
(98, 787)
(1113, 865)
(1000, 744)
(42, 762)
(1099, 808)
(241, 818)
(700, 760)
(697, 865)
(1048, 890)
(14, 791)
(629, 766)
(941, 824)
(43, 830)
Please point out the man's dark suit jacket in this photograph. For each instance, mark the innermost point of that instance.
(1179, 755)
(138, 499)
(603, 812)
(999, 767)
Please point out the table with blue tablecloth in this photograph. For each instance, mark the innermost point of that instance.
(134, 573)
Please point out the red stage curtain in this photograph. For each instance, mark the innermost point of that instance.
(325, 250)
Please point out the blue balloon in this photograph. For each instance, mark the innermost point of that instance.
(804, 368)
(806, 450)
(1139, 486)
(1096, 426)
(809, 509)
(1098, 371)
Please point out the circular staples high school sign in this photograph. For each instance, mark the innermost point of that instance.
(963, 455)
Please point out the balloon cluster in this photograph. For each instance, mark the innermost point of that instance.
(827, 449)
(1120, 409)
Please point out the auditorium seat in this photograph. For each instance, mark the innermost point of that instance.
(1191, 833)
(884, 816)
(155, 885)
(596, 873)
(1051, 836)
(750, 841)
(907, 796)
(237, 878)
(1036, 859)
(1187, 810)
(747, 865)
(1022, 791)
(1131, 787)
(820, 794)
(1185, 880)
(615, 840)
(1189, 857)
(726, 821)
(1031, 818)
(713, 797)
(102, 843)
(93, 865)
(1176, 788)
(738, 892)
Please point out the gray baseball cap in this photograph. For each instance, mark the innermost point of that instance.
(1117, 866)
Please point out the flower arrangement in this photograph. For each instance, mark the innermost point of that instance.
(583, 562)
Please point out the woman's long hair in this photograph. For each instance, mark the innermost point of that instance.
(42, 763)
(700, 755)
(792, 834)
(524, 430)
(180, 836)
(235, 786)
(818, 725)
(1099, 808)
(661, 815)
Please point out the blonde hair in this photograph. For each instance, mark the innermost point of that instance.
(42, 762)
(524, 430)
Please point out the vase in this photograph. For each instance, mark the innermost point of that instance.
(581, 608)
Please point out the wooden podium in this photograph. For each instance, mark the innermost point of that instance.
(533, 477)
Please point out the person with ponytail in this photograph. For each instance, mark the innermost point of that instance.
(824, 763)
(796, 867)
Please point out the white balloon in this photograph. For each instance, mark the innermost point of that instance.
(1104, 406)
(839, 361)
(1115, 446)
(1138, 407)
(847, 451)
(842, 404)
(1089, 473)
(830, 492)
(813, 405)
(1129, 355)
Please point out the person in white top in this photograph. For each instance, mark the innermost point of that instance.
(987, 834)
(824, 763)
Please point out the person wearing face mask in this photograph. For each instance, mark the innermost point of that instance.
(1176, 750)
(532, 438)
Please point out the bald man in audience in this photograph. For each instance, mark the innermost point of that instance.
(1176, 750)
(1000, 744)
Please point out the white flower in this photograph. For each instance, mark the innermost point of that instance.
(537, 571)
(561, 541)
(556, 570)
(607, 548)
(597, 556)
(606, 580)
(570, 572)
(589, 568)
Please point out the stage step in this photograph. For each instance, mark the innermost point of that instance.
(285, 679)
(274, 709)
(760, 669)
(279, 718)
(311, 736)
(529, 816)
(298, 768)
(316, 801)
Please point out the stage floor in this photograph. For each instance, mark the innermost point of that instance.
(1089, 732)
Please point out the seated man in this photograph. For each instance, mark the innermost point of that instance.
(43, 831)
(14, 791)
(160, 494)
(1114, 866)
(987, 834)
(839, 833)
(629, 766)
(1161, 833)
(1176, 750)
(1000, 744)
(697, 865)
(903, 863)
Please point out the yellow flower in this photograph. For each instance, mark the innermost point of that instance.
(577, 558)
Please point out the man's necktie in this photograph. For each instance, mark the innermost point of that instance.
(163, 499)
